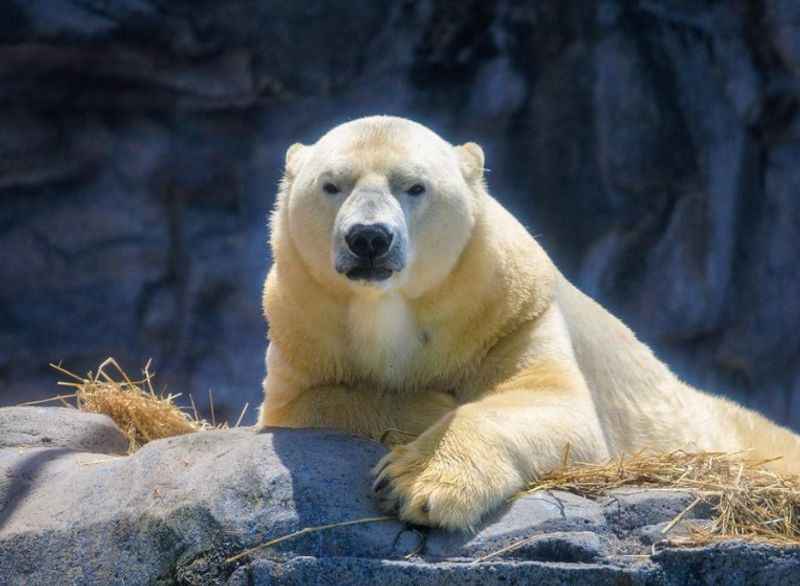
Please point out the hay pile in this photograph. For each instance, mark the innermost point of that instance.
(141, 413)
(749, 501)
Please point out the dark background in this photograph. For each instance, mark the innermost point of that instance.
(652, 146)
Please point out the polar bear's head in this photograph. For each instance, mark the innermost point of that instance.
(382, 203)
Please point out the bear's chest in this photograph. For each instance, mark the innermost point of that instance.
(385, 339)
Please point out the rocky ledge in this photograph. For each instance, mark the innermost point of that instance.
(75, 509)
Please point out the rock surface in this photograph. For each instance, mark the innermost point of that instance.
(173, 512)
(45, 427)
(652, 146)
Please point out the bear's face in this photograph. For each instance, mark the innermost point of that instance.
(382, 204)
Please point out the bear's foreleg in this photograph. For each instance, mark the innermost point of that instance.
(484, 452)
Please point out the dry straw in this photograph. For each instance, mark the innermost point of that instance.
(749, 501)
(141, 413)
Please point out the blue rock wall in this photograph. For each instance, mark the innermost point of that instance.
(653, 147)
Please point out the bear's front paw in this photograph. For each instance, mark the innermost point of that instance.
(428, 489)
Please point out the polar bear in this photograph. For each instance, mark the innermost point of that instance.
(405, 303)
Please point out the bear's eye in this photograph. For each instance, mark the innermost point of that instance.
(330, 189)
(416, 189)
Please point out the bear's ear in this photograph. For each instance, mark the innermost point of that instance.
(471, 157)
(294, 159)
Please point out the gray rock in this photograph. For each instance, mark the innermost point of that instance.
(627, 509)
(563, 517)
(58, 427)
(305, 570)
(732, 564)
(176, 510)
(655, 534)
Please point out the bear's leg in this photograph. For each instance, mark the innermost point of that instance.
(484, 452)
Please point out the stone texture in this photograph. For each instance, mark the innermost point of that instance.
(627, 509)
(54, 427)
(652, 146)
(173, 512)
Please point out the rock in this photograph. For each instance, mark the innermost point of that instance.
(177, 509)
(564, 519)
(653, 535)
(754, 564)
(55, 427)
(783, 19)
(627, 509)
(306, 570)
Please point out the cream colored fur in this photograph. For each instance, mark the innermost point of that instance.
(479, 362)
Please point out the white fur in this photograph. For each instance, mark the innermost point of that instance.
(384, 335)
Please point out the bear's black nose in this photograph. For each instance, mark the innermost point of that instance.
(369, 242)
